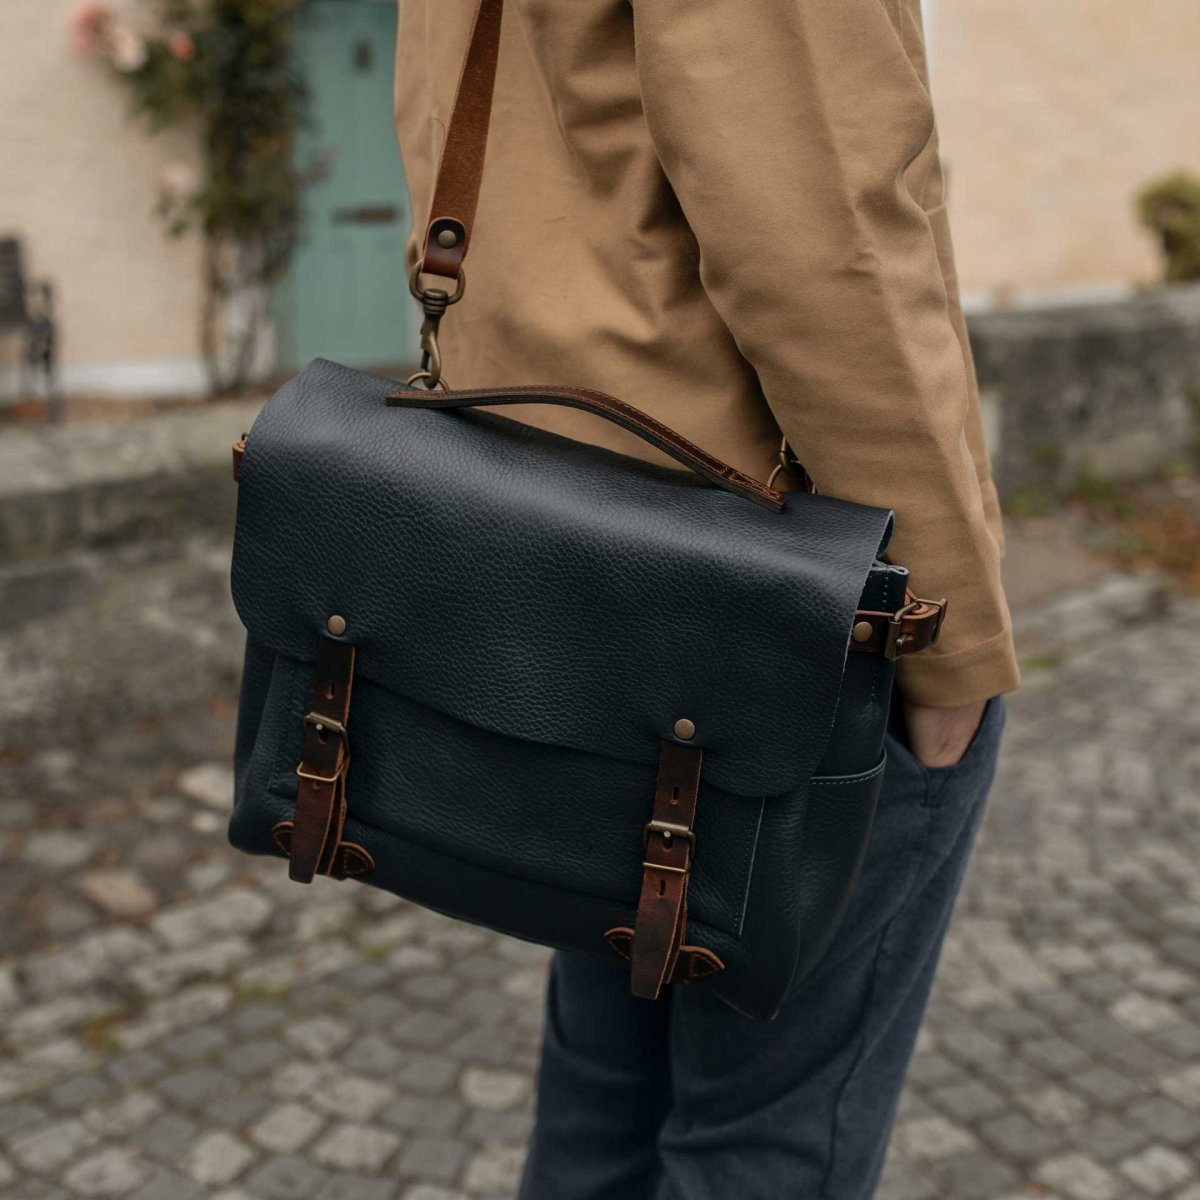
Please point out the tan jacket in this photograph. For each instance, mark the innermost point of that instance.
(730, 213)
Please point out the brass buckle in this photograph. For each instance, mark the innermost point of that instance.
(668, 831)
(323, 778)
(894, 642)
(331, 724)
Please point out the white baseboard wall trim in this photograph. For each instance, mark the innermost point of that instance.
(122, 379)
(1024, 299)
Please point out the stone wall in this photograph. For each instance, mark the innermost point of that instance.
(1108, 390)
(114, 571)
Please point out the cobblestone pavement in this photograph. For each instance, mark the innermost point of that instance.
(182, 1022)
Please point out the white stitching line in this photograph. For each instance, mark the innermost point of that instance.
(846, 781)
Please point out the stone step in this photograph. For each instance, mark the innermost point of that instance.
(88, 486)
(99, 637)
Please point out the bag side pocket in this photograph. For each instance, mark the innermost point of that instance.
(837, 829)
(261, 760)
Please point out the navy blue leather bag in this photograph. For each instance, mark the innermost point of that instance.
(582, 699)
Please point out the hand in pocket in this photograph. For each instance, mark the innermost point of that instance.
(939, 737)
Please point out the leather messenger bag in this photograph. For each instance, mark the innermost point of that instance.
(597, 703)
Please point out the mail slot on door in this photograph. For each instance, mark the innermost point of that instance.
(367, 214)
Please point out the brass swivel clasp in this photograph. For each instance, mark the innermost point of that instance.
(433, 302)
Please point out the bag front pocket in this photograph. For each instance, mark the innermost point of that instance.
(554, 815)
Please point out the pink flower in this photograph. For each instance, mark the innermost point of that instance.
(126, 48)
(182, 46)
(178, 180)
(89, 23)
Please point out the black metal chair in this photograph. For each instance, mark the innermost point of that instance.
(27, 311)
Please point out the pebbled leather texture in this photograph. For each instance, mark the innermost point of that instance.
(544, 589)
(531, 616)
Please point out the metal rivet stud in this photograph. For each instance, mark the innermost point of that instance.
(447, 238)
(862, 631)
(336, 625)
(685, 729)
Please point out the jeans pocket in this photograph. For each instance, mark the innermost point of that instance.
(978, 759)
(980, 752)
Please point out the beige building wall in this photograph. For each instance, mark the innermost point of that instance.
(78, 181)
(1053, 114)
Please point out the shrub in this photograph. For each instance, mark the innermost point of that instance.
(1170, 208)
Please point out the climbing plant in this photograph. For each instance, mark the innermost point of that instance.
(224, 69)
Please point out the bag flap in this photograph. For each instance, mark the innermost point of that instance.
(546, 589)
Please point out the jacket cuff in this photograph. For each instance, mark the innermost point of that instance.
(967, 676)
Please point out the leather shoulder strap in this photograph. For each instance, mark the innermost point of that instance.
(456, 192)
(456, 197)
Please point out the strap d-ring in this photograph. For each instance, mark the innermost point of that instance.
(419, 293)
(436, 382)
(789, 464)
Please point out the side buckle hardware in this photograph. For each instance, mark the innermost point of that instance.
(669, 832)
(896, 641)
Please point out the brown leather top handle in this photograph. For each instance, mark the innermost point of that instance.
(609, 407)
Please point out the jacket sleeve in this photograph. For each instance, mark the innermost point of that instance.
(786, 129)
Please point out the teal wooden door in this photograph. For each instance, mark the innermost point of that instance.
(347, 296)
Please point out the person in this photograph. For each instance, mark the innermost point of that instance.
(733, 216)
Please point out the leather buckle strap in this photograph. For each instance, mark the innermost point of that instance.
(316, 828)
(670, 844)
(908, 630)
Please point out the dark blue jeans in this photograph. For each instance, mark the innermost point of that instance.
(683, 1099)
